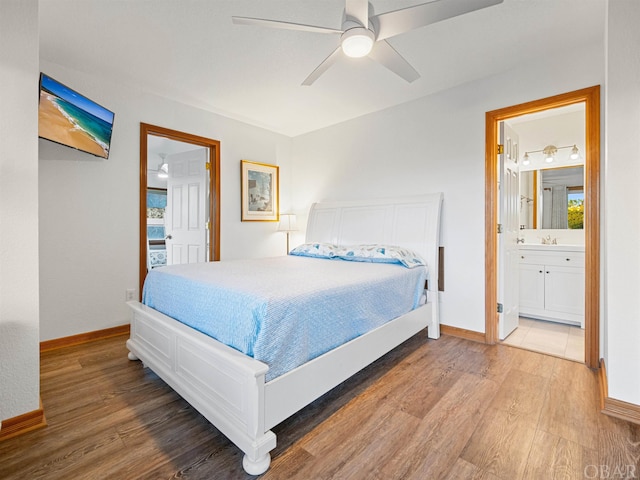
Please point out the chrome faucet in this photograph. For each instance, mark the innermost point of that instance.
(549, 241)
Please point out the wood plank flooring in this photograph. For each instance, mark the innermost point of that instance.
(430, 409)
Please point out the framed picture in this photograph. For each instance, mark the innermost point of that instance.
(259, 190)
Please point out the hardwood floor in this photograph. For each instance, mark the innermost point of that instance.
(443, 409)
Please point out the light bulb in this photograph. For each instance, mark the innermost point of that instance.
(574, 153)
(549, 153)
(357, 42)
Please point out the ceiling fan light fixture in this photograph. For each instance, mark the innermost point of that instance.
(357, 42)
(163, 171)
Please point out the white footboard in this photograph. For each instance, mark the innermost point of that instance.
(228, 388)
(294, 390)
(225, 386)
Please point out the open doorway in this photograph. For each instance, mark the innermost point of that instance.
(590, 97)
(548, 271)
(190, 165)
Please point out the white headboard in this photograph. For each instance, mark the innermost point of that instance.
(411, 222)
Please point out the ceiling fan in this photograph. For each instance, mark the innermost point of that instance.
(365, 34)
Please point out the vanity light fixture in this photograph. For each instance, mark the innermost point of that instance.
(550, 152)
(574, 153)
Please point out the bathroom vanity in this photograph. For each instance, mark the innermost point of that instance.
(552, 282)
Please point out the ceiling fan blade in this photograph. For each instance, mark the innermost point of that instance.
(323, 67)
(394, 23)
(282, 25)
(358, 10)
(386, 55)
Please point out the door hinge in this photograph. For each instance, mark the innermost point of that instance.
(208, 165)
(499, 228)
(500, 149)
(500, 308)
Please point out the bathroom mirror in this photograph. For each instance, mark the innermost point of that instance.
(179, 198)
(552, 198)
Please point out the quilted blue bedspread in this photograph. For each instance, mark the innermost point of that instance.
(284, 311)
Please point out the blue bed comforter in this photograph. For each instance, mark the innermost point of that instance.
(284, 311)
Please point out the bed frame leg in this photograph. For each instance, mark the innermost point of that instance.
(256, 467)
(132, 356)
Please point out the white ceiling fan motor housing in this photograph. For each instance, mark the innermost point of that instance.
(357, 42)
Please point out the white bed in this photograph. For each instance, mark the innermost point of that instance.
(229, 388)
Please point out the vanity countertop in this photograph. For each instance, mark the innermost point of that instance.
(542, 246)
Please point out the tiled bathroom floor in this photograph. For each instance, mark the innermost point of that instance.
(548, 337)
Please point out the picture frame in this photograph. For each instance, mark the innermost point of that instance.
(259, 190)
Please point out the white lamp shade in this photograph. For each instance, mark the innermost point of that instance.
(287, 222)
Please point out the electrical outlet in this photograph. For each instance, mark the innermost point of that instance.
(130, 294)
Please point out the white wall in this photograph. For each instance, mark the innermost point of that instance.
(435, 144)
(89, 206)
(622, 211)
(19, 348)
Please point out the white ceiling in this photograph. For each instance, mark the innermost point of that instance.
(190, 51)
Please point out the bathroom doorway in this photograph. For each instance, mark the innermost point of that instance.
(548, 203)
(590, 97)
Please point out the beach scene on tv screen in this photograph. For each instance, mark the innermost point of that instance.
(68, 118)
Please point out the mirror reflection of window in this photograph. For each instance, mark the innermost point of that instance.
(562, 198)
(536, 198)
(575, 212)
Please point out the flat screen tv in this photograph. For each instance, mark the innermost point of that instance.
(68, 118)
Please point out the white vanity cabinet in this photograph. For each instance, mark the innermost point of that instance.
(552, 283)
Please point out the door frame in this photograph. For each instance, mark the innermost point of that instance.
(214, 189)
(591, 98)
